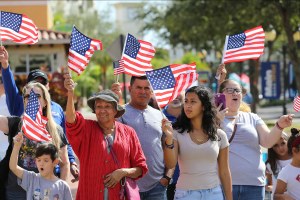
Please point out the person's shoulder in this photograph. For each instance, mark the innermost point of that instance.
(56, 106)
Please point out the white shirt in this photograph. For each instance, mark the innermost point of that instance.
(3, 138)
(280, 164)
(291, 176)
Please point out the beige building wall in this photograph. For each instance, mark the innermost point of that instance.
(38, 11)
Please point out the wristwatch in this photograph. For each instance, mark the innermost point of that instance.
(168, 178)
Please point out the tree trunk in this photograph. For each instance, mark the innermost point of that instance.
(253, 75)
(292, 46)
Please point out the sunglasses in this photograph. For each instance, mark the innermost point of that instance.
(232, 90)
(26, 96)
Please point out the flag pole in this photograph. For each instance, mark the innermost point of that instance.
(117, 79)
(0, 29)
(218, 76)
(151, 88)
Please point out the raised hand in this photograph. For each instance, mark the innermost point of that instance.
(3, 57)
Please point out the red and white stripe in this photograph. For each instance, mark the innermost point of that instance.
(28, 33)
(77, 62)
(142, 63)
(36, 130)
(185, 75)
(297, 103)
(252, 49)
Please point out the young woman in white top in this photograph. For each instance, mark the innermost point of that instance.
(288, 181)
(200, 148)
(278, 157)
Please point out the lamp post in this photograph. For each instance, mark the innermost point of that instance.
(284, 79)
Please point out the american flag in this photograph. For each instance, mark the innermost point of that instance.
(244, 46)
(297, 103)
(18, 28)
(168, 82)
(81, 50)
(137, 55)
(118, 67)
(34, 123)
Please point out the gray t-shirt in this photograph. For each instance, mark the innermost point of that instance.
(198, 163)
(245, 157)
(147, 125)
(38, 188)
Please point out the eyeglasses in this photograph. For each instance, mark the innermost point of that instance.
(26, 96)
(232, 90)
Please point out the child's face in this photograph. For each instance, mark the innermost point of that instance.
(281, 148)
(45, 165)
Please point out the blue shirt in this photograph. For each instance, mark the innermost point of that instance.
(14, 101)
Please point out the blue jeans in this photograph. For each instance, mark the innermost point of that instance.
(156, 193)
(248, 192)
(207, 194)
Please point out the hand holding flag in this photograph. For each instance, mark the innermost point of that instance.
(137, 55)
(81, 50)
(17, 28)
(244, 46)
(34, 123)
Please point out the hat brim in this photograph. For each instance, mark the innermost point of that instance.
(91, 103)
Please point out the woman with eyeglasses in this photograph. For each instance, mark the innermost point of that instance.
(11, 126)
(246, 132)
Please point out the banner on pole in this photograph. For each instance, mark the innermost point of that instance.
(270, 80)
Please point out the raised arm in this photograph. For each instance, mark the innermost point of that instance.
(13, 99)
(268, 138)
(70, 109)
(13, 162)
(171, 145)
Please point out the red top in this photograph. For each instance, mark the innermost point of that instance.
(89, 144)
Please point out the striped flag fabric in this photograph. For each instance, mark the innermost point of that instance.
(137, 55)
(17, 28)
(297, 103)
(34, 123)
(118, 67)
(81, 50)
(168, 82)
(244, 46)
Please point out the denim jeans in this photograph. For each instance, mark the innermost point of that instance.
(207, 194)
(156, 193)
(248, 192)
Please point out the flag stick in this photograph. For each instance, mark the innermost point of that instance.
(218, 76)
(117, 79)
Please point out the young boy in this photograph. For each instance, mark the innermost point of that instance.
(44, 185)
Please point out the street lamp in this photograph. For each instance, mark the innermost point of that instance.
(296, 37)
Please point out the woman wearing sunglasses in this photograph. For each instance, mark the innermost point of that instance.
(246, 132)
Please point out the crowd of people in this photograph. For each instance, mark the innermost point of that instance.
(192, 149)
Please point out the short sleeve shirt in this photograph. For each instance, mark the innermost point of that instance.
(39, 188)
(199, 163)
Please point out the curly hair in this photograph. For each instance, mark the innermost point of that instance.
(210, 121)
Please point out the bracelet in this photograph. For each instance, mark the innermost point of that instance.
(279, 127)
(168, 178)
(170, 146)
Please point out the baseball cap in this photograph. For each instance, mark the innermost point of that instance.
(34, 74)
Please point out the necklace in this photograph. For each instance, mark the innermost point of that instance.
(201, 140)
(108, 131)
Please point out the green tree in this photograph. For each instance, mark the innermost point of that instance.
(204, 24)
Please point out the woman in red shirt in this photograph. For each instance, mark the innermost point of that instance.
(100, 175)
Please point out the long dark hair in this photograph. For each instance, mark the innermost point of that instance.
(210, 120)
(273, 157)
